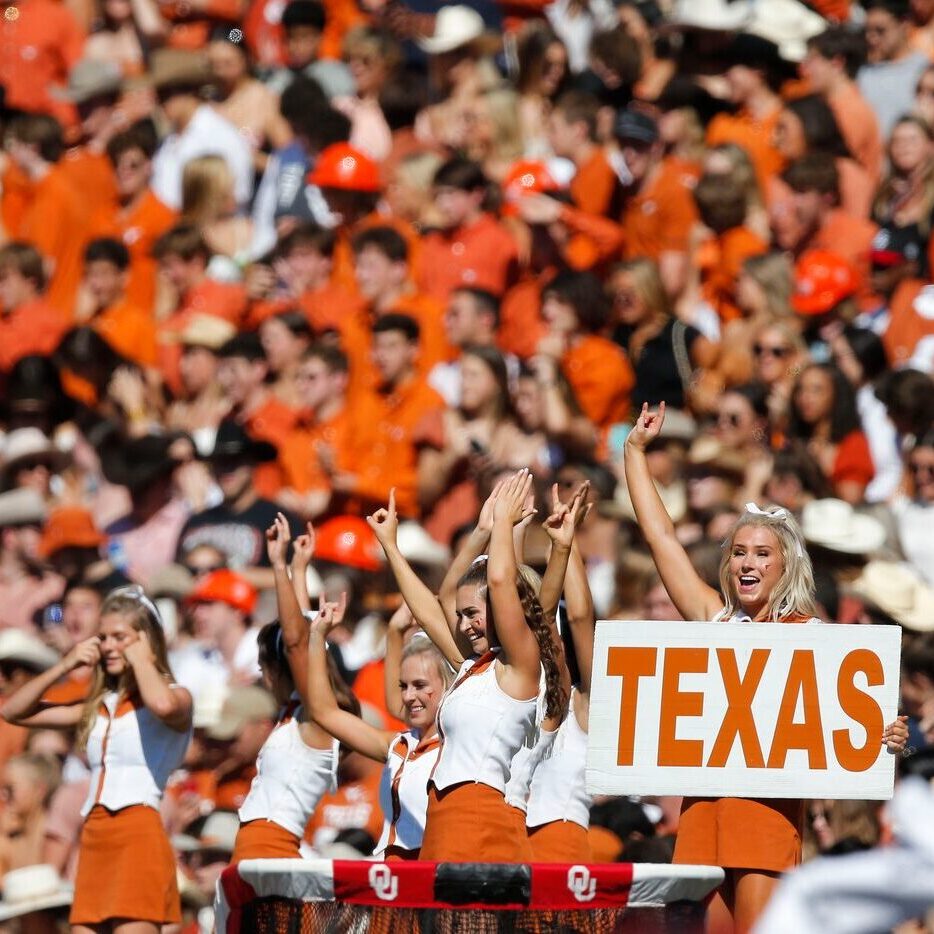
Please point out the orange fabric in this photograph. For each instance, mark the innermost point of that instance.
(14, 197)
(56, 222)
(521, 326)
(601, 378)
(853, 461)
(264, 34)
(604, 844)
(482, 255)
(91, 175)
(659, 219)
(835, 10)
(387, 430)
(369, 687)
(859, 128)
(755, 135)
(851, 237)
(69, 690)
(906, 325)
(191, 30)
(33, 328)
(594, 184)
(126, 869)
(471, 822)
(433, 346)
(592, 239)
(353, 805)
(130, 331)
(328, 308)
(740, 833)
(12, 741)
(138, 226)
(299, 454)
(40, 46)
(857, 188)
(273, 421)
(560, 842)
(264, 839)
(720, 261)
(340, 17)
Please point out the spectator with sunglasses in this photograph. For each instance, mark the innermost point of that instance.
(778, 353)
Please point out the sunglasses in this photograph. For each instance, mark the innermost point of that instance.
(763, 350)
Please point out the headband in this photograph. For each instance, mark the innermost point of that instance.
(780, 514)
(135, 592)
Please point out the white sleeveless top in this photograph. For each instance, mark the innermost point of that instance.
(291, 777)
(526, 760)
(482, 728)
(403, 791)
(131, 753)
(558, 786)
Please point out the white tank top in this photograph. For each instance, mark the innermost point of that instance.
(526, 760)
(403, 791)
(559, 789)
(131, 753)
(291, 777)
(481, 727)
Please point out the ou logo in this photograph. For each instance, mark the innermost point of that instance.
(383, 883)
(580, 884)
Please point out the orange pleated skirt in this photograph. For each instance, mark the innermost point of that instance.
(471, 823)
(740, 833)
(126, 869)
(264, 839)
(560, 841)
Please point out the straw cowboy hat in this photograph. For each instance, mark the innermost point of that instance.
(21, 507)
(898, 591)
(29, 444)
(18, 646)
(836, 525)
(33, 888)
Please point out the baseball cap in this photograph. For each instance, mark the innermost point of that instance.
(636, 126)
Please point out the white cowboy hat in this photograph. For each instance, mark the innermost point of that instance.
(715, 15)
(18, 646)
(787, 23)
(899, 592)
(21, 507)
(33, 888)
(455, 26)
(30, 444)
(836, 525)
(218, 831)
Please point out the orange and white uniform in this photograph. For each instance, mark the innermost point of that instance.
(403, 794)
(482, 729)
(131, 753)
(291, 778)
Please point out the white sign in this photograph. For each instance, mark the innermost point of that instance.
(761, 710)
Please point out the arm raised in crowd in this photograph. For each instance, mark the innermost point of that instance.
(399, 624)
(581, 622)
(693, 598)
(302, 550)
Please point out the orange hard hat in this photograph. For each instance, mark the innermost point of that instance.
(823, 279)
(350, 541)
(342, 166)
(225, 586)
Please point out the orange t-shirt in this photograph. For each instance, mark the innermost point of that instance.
(720, 260)
(520, 320)
(15, 190)
(33, 328)
(299, 452)
(593, 187)
(853, 461)
(273, 421)
(92, 176)
(859, 128)
(911, 319)
(851, 237)
(481, 255)
(130, 331)
(601, 377)
(355, 805)
(592, 240)
(755, 135)
(659, 219)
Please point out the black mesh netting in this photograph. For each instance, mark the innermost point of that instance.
(282, 916)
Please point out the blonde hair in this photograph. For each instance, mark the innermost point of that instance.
(139, 611)
(420, 644)
(773, 272)
(647, 282)
(207, 189)
(742, 173)
(794, 592)
(45, 769)
(366, 41)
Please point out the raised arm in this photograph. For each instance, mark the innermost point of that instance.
(520, 648)
(559, 526)
(321, 704)
(421, 601)
(302, 550)
(170, 703)
(693, 598)
(399, 624)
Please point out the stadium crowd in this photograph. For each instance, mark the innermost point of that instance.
(267, 264)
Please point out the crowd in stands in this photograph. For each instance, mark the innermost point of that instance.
(261, 257)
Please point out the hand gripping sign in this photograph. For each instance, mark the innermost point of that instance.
(757, 710)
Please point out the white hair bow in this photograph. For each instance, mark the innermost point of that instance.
(783, 515)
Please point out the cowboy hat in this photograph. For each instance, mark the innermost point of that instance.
(837, 526)
(233, 443)
(29, 444)
(21, 507)
(178, 68)
(898, 591)
(455, 26)
(137, 463)
(18, 646)
(33, 888)
(90, 79)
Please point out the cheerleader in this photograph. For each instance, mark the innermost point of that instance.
(135, 726)
(298, 762)
(410, 757)
(765, 576)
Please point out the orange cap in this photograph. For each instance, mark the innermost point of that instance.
(342, 166)
(225, 586)
(822, 280)
(348, 540)
(527, 177)
(69, 527)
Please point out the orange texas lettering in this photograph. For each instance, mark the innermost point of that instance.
(631, 664)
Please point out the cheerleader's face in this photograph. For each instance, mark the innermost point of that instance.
(756, 566)
(471, 617)
(115, 634)
(422, 688)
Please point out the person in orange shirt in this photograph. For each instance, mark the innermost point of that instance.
(723, 208)
(572, 132)
(28, 324)
(55, 218)
(183, 259)
(128, 329)
(575, 309)
(242, 374)
(658, 208)
(755, 73)
(322, 440)
(833, 58)
(472, 248)
(389, 420)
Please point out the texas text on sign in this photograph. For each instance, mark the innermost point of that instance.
(742, 709)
